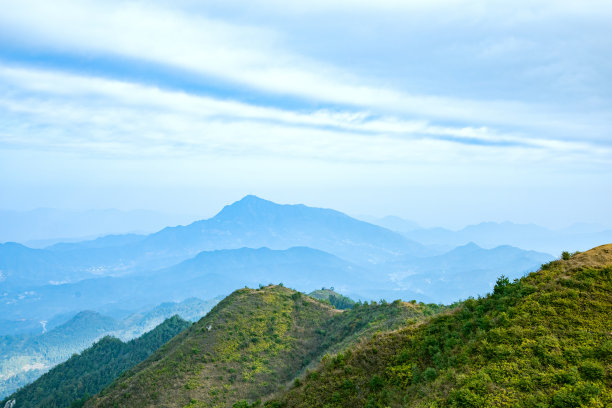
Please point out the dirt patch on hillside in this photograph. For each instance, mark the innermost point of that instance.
(597, 257)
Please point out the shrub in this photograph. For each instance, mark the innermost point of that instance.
(376, 383)
(591, 370)
(464, 398)
(430, 374)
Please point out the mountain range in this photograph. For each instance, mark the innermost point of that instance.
(541, 340)
(578, 237)
(83, 375)
(45, 226)
(251, 242)
(24, 357)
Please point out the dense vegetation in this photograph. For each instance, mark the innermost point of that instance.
(25, 357)
(74, 381)
(541, 341)
(252, 344)
(335, 299)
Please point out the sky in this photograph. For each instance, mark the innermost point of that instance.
(443, 112)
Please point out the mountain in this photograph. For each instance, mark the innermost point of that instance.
(526, 236)
(254, 222)
(208, 274)
(87, 373)
(467, 270)
(251, 222)
(251, 343)
(25, 358)
(541, 341)
(22, 267)
(43, 226)
(394, 223)
(191, 309)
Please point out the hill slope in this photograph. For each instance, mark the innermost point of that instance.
(335, 299)
(251, 344)
(25, 358)
(86, 374)
(542, 341)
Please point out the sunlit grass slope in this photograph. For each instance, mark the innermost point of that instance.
(542, 341)
(252, 344)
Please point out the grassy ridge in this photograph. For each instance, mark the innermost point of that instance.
(250, 346)
(542, 341)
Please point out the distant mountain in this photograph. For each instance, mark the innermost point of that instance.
(467, 270)
(47, 225)
(251, 222)
(443, 278)
(394, 223)
(191, 309)
(23, 267)
(85, 374)
(23, 358)
(525, 236)
(254, 222)
(251, 344)
(208, 274)
(543, 341)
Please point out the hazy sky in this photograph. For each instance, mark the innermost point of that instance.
(444, 112)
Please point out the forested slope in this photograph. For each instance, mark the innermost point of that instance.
(74, 381)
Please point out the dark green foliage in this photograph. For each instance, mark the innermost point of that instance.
(71, 383)
(335, 299)
(542, 341)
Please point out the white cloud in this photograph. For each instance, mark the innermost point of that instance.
(53, 110)
(257, 58)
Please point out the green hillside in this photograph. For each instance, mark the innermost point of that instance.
(541, 341)
(335, 299)
(252, 344)
(87, 373)
(24, 358)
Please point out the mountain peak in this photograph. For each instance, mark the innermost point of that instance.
(249, 205)
(251, 199)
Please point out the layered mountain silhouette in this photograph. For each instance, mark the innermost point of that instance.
(468, 270)
(492, 234)
(251, 242)
(207, 275)
(251, 222)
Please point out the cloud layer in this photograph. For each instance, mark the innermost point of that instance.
(387, 86)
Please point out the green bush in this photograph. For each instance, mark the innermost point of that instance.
(592, 370)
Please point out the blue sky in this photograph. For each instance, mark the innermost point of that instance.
(445, 112)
